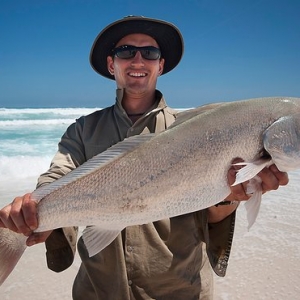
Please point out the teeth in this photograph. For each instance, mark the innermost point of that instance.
(137, 74)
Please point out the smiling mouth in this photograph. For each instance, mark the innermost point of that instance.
(137, 74)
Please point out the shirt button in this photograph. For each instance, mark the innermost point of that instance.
(129, 282)
(129, 249)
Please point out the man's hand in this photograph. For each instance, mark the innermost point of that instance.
(21, 216)
(271, 179)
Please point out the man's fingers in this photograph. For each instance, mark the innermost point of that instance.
(16, 215)
(272, 178)
(6, 220)
(20, 216)
(29, 212)
(237, 191)
(37, 237)
(269, 180)
(282, 177)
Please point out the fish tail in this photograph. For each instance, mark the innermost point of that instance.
(12, 247)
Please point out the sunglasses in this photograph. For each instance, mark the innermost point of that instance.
(127, 52)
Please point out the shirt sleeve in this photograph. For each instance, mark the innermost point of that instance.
(69, 156)
(61, 247)
(218, 238)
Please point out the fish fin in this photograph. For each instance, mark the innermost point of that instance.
(253, 204)
(251, 169)
(96, 238)
(186, 115)
(95, 163)
(12, 247)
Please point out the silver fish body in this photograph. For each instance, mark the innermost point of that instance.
(175, 172)
(181, 170)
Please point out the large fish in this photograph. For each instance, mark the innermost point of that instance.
(152, 177)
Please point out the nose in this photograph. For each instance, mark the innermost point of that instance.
(137, 59)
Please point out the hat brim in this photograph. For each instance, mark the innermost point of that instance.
(167, 36)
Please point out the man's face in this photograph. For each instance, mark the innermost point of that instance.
(136, 75)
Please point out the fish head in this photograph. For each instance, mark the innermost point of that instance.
(282, 141)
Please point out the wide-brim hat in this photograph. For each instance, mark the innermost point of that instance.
(167, 36)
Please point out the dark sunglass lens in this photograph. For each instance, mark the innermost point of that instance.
(151, 53)
(126, 52)
(146, 53)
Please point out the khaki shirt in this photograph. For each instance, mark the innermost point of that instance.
(169, 259)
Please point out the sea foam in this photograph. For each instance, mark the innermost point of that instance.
(29, 139)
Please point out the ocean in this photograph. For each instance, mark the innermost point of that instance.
(29, 139)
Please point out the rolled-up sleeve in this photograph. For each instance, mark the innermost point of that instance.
(218, 238)
(61, 247)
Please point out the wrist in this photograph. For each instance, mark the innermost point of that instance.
(221, 211)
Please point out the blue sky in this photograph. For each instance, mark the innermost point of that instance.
(234, 49)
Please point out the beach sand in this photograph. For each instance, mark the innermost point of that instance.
(31, 279)
(264, 262)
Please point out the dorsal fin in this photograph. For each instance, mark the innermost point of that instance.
(94, 163)
(191, 113)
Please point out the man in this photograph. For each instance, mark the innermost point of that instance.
(168, 259)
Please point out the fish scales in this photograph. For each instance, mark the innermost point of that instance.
(173, 173)
(152, 177)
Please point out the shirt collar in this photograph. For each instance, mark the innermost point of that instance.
(159, 104)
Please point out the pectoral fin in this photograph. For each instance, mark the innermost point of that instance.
(253, 204)
(251, 169)
(249, 173)
(96, 238)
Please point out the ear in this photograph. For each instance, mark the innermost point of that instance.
(110, 65)
(161, 66)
